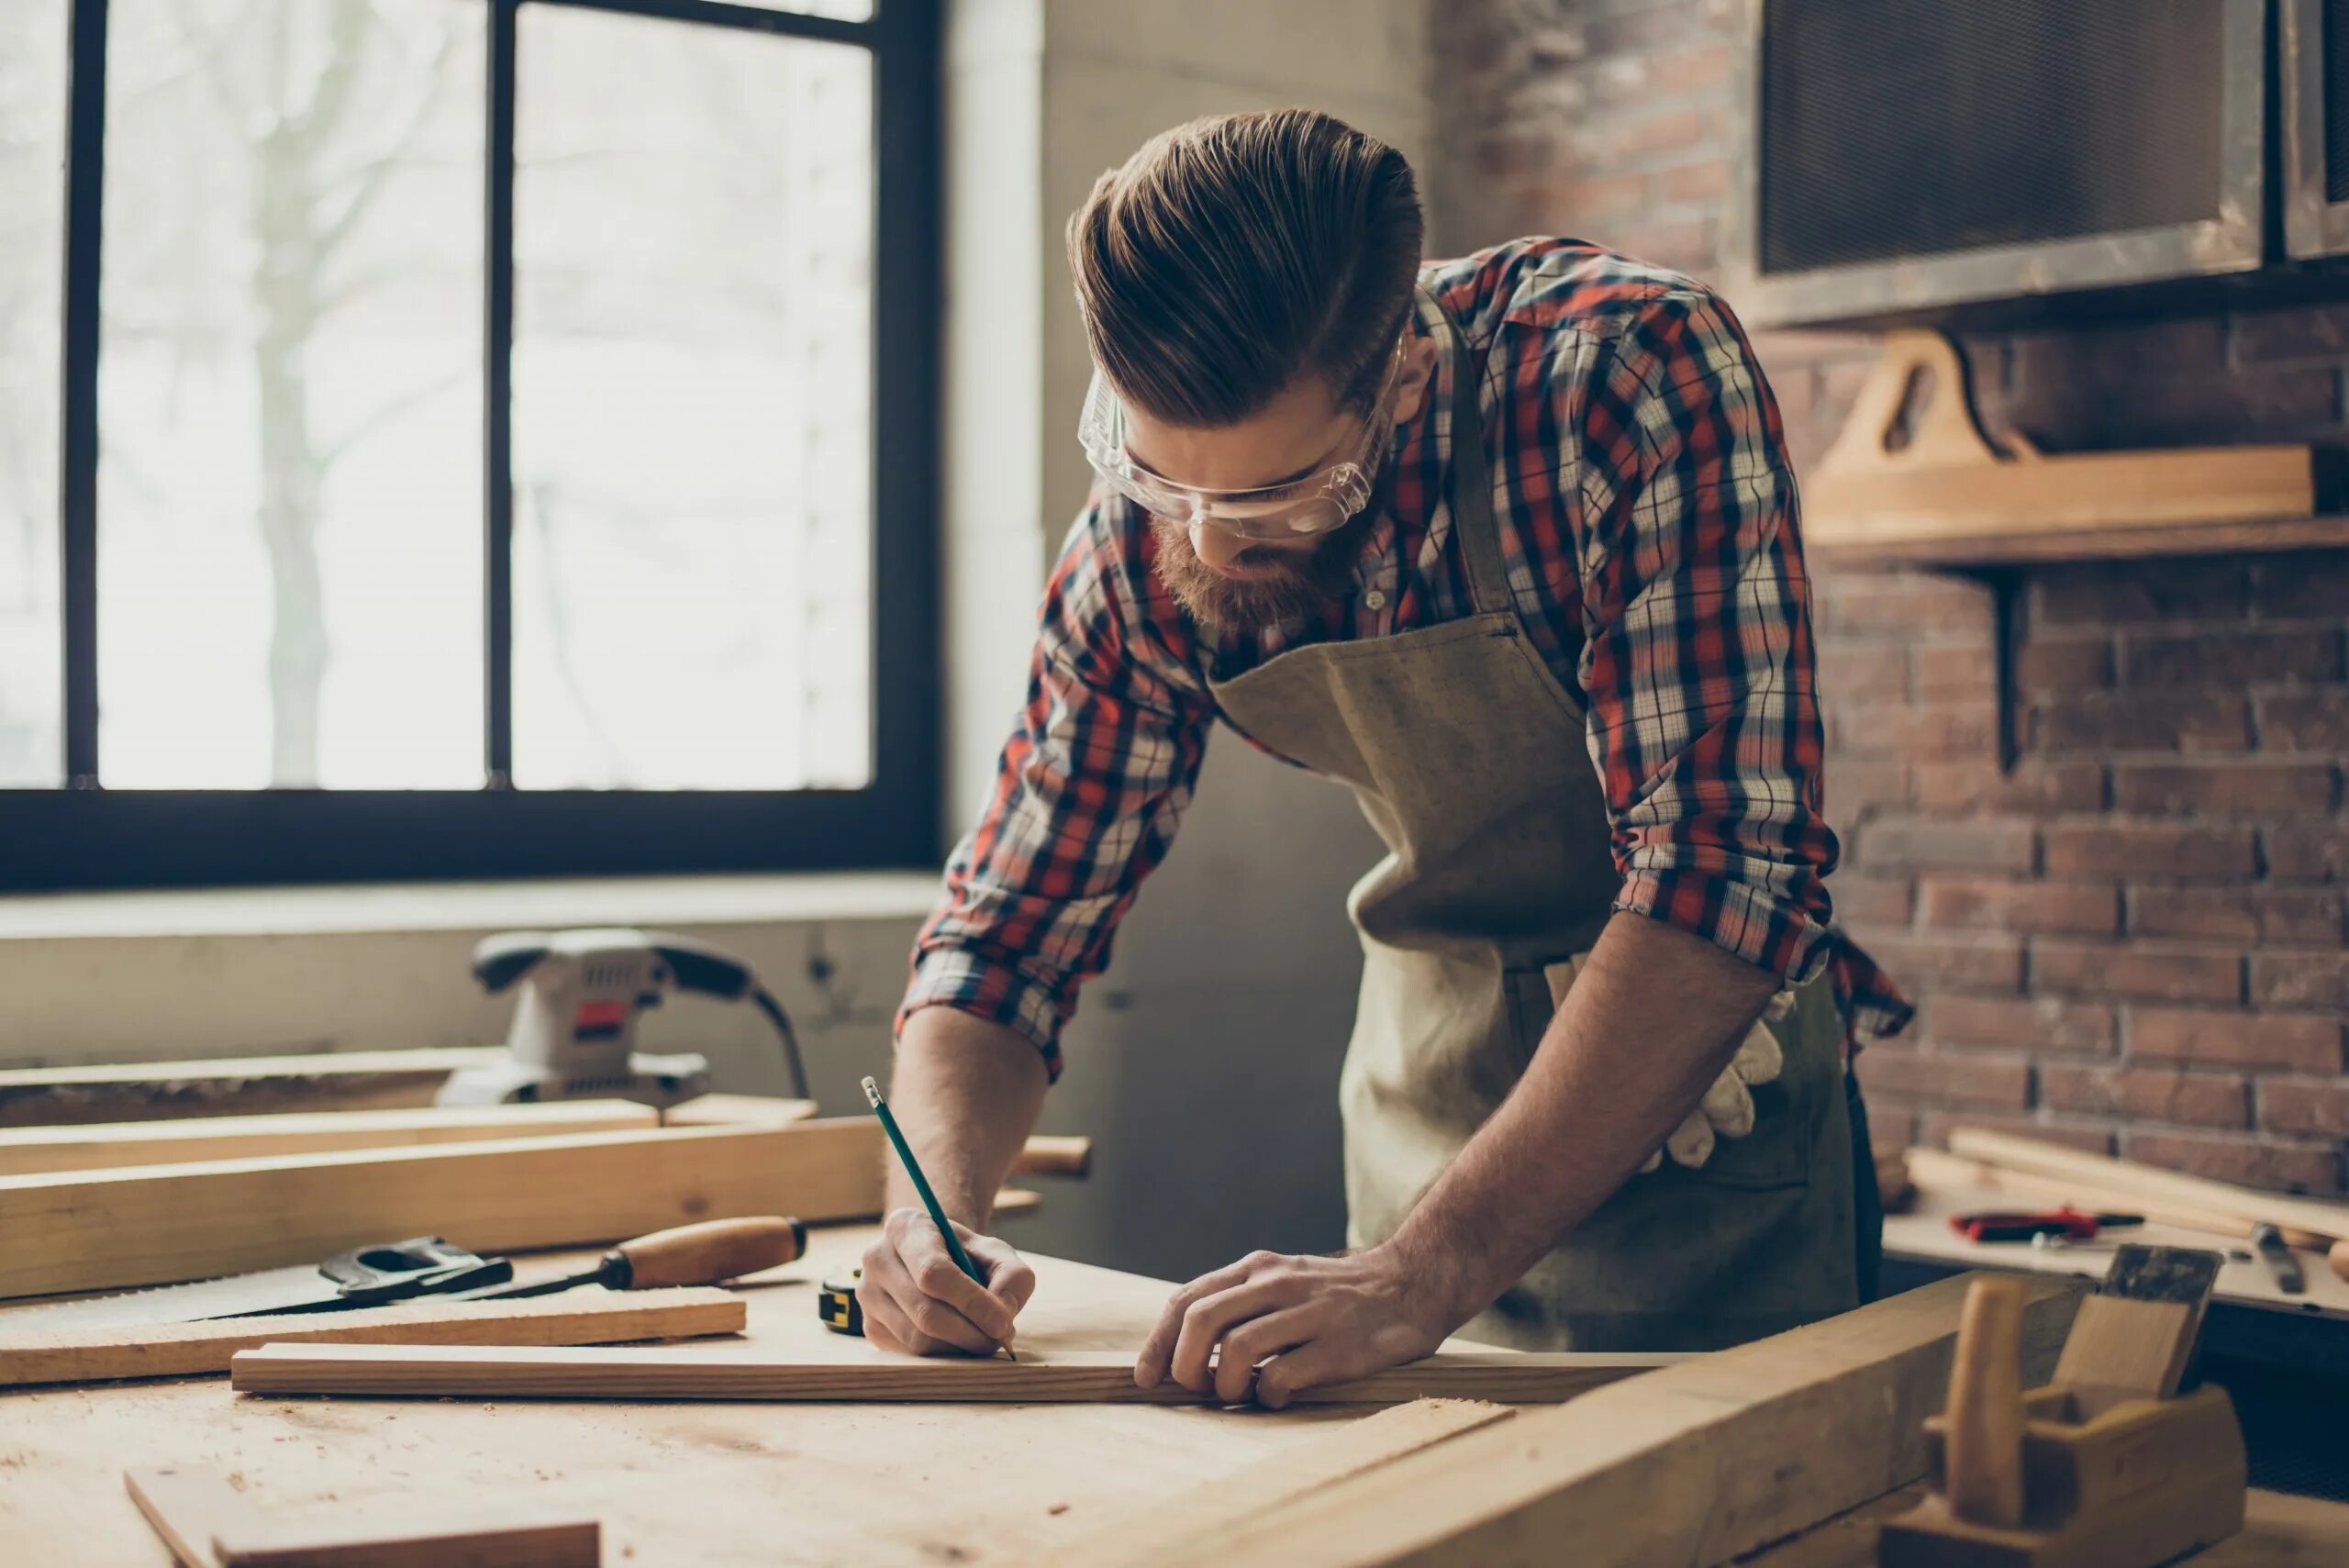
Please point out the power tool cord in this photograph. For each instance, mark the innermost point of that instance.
(764, 1000)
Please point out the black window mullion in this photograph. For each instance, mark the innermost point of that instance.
(497, 408)
(751, 19)
(78, 446)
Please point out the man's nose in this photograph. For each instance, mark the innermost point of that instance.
(1217, 547)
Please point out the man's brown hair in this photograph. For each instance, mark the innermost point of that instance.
(1229, 255)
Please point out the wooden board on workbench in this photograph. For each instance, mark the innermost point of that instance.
(1066, 1377)
(588, 1316)
(242, 1085)
(2278, 1531)
(29, 1150)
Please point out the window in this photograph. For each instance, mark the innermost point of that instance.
(465, 437)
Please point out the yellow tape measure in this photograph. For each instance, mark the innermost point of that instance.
(836, 1303)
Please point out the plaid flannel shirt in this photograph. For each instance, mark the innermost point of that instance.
(1648, 522)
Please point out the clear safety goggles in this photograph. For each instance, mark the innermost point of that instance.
(1316, 503)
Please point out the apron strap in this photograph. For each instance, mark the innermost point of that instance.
(1470, 484)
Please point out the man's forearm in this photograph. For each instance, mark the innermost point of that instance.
(966, 1092)
(1653, 1016)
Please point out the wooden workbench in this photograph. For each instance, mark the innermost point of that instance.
(675, 1485)
(715, 1483)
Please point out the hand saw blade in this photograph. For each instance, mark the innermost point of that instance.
(233, 1295)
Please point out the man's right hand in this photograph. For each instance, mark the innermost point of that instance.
(914, 1298)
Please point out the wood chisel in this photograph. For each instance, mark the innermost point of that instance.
(706, 1253)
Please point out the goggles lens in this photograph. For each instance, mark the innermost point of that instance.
(1314, 505)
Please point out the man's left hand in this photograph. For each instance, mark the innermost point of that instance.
(1271, 1325)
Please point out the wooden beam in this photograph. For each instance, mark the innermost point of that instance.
(96, 1230)
(2248, 1204)
(1180, 1525)
(1087, 1377)
(1686, 1467)
(25, 1150)
(141, 1091)
(588, 1316)
(187, 1507)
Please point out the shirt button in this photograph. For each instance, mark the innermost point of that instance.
(1375, 600)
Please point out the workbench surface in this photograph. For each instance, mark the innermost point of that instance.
(675, 1483)
(726, 1483)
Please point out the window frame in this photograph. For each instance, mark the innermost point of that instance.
(85, 835)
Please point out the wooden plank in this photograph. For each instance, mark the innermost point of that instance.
(588, 1316)
(2109, 543)
(1051, 1155)
(2248, 1204)
(24, 1151)
(187, 1508)
(1098, 1377)
(555, 1543)
(1181, 1524)
(1935, 1168)
(142, 1091)
(1685, 1468)
(96, 1230)
(2279, 1531)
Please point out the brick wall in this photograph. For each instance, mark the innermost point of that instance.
(2136, 941)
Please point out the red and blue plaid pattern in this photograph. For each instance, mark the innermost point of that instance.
(1648, 523)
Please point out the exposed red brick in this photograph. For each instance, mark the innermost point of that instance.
(2307, 851)
(1914, 730)
(1968, 1080)
(2224, 789)
(1955, 670)
(1934, 1128)
(2038, 788)
(2306, 584)
(2234, 658)
(2300, 980)
(2100, 595)
(1992, 964)
(2146, 1093)
(1856, 787)
(2146, 852)
(1861, 673)
(2315, 720)
(2020, 1023)
(2141, 721)
(2212, 1037)
(2285, 915)
(2311, 1108)
(2071, 665)
(1891, 1127)
(1984, 844)
(1703, 180)
(1908, 605)
(1622, 138)
(2135, 969)
(2082, 909)
(1602, 198)
(1871, 900)
(2252, 1161)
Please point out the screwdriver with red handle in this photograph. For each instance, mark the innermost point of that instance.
(2023, 1225)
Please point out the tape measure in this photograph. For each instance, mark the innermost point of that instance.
(836, 1303)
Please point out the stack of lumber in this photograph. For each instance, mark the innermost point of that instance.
(2051, 1172)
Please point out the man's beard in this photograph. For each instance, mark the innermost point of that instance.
(1291, 594)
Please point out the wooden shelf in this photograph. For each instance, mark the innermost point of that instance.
(2024, 546)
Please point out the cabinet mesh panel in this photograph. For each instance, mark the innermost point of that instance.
(2336, 105)
(1896, 128)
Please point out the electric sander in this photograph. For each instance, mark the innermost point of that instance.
(574, 1027)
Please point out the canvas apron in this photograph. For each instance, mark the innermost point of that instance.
(1469, 759)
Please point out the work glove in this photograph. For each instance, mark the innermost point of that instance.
(1727, 1109)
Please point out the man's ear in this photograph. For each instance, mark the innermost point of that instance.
(1417, 376)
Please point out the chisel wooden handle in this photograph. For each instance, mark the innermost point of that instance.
(1047, 1155)
(706, 1253)
(1982, 1446)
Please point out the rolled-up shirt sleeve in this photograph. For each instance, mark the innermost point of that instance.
(1088, 791)
(1697, 658)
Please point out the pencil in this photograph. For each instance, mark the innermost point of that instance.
(928, 1199)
